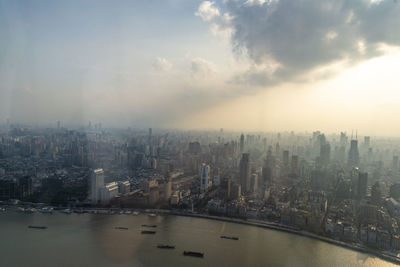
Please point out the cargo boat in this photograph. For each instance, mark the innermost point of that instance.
(230, 237)
(121, 228)
(37, 227)
(193, 254)
(149, 225)
(166, 246)
(148, 232)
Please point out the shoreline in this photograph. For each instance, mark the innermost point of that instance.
(288, 229)
(257, 223)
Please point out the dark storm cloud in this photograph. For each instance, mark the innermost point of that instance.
(300, 36)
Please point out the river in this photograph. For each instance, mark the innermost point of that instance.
(92, 240)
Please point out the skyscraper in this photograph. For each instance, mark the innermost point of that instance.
(325, 154)
(96, 183)
(295, 164)
(204, 175)
(395, 164)
(244, 172)
(254, 183)
(367, 141)
(286, 157)
(362, 185)
(241, 143)
(353, 159)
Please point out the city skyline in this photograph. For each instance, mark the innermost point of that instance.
(202, 65)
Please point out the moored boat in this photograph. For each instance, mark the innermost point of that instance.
(230, 237)
(193, 254)
(148, 232)
(46, 210)
(166, 246)
(37, 227)
(67, 211)
(121, 228)
(149, 225)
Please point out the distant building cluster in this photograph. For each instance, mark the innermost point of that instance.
(339, 186)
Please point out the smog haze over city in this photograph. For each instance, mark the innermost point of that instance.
(241, 65)
(199, 133)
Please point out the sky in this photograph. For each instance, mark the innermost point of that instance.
(249, 65)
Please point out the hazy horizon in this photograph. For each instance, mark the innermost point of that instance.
(255, 65)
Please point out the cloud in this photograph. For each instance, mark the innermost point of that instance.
(219, 23)
(161, 64)
(298, 37)
(207, 11)
(202, 68)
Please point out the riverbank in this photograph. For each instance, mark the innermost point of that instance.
(250, 222)
(292, 230)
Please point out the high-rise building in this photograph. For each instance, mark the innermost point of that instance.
(167, 190)
(204, 175)
(268, 167)
(194, 148)
(343, 139)
(241, 143)
(124, 187)
(395, 163)
(108, 192)
(285, 157)
(367, 141)
(325, 154)
(362, 185)
(244, 172)
(295, 164)
(96, 184)
(354, 158)
(254, 183)
(376, 194)
(236, 191)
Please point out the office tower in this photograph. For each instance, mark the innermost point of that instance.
(367, 141)
(108, 192)
(362, 185)
(394, 191)
(285, 158)
(194, 148)
(395, 163)
(241, 143)
(325, 154)
(277, 150)
(204, 175)
(236, 191)
(343, 139)
(58, 124)
(376, 194)
(353, 159)
(268, 167)
(167, 190)
(294, 164)
(318, 180)
(96, 183)
(150, 134)
(244, 172)
(254, 183)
